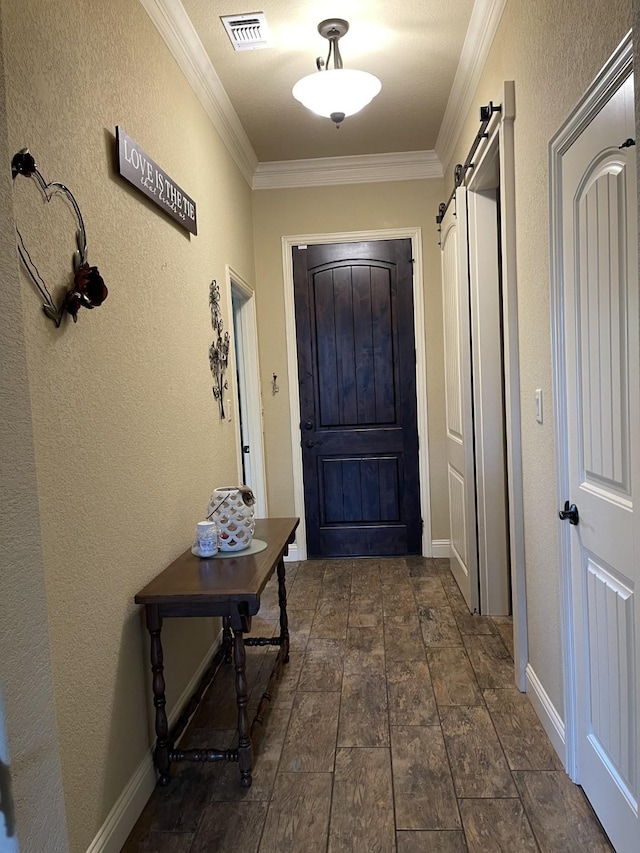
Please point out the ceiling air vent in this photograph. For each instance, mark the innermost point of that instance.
(247, 32)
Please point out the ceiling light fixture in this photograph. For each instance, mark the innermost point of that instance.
(337, 92)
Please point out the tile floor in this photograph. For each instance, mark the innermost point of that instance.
(395, 727)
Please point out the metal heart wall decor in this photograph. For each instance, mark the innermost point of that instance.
(87, 289)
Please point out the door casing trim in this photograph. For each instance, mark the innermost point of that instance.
(611, 77)
(253, 403)
(288, 242)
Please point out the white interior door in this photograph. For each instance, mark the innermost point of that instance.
(599, 285)
(459, 411)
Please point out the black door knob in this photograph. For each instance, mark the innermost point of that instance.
(569, 513)
(308, 424)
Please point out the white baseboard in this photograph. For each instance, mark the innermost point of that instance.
(545, 709)
(440, 548)
(292, 556)
(129, 805)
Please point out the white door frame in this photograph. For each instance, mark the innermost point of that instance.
(501, 138)
(415, 234)
(488, 387)
(614, 73)
(252, 396)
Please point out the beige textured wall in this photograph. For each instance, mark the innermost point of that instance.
(128, 443)
(320, 210)
(552, 51)
(25, 665)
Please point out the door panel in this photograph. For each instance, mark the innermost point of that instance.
(458, 398)
(356, 359)
(602, 354)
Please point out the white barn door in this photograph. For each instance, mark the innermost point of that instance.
(459, 412)
(598, 360)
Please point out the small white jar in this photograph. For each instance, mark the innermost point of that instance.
(206, 543)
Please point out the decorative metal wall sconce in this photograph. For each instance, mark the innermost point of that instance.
(219, 349)
(87, 289)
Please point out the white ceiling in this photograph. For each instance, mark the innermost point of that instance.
(427, 53)
(413, 46)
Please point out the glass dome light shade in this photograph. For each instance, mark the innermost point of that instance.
(338, 90)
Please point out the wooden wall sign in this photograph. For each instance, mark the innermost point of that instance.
(145, 174)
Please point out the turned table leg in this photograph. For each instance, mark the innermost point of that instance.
(226, 638)
(161, 753)
(284, 621)
(244, 739)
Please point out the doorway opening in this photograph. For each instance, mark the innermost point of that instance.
(247, 401)
(488, 391)
(492, 260)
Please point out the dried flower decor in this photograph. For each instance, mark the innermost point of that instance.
(219, 349)
(87, 289)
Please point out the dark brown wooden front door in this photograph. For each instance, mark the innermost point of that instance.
(358, 430)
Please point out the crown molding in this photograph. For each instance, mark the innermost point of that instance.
(180, 36)
(485, 18)
(362, 169)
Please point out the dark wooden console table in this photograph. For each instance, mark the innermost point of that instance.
(229, 587)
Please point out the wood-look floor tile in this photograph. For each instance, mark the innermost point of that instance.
(263, 624)
(422, 567)
(436, 841)
(453, 679)
(362, 803)
(559, 814)
(322, 666)
(364, 651)
(337, 580)
(364, 719)
(490, 660)
(524, 741)
(159, 842)
(178, 806)
(205, 809)
(310, 744)
(391, 565)
(365, 611)
(439, 627)
(477, 762)
(494, 825)
(230, 826)
(311, 569)
(223, 779)
(411, 699)
(365, 584)
(423, 788)
(368, 564)
(451, 588)
(429, 592)
(397, 601)
(504, 627)
(299, 628)
(304, 594)
(403, 638)
(298, 817)
(291, 568)
(473, 623)
(283, 688)
(330, 621)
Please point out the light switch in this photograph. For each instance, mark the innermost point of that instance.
(539, 405)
